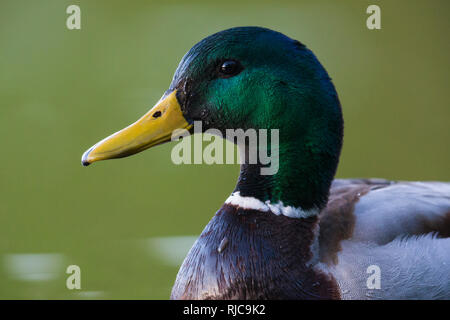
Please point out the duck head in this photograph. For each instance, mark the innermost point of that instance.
(250, 77)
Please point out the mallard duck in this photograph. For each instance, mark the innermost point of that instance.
(296, 234)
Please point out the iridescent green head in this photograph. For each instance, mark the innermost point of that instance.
(251, 77)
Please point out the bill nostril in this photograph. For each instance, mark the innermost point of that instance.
(157, 114)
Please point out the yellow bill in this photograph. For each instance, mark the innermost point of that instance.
(154, 128)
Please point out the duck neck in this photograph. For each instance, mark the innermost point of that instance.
(302, 181)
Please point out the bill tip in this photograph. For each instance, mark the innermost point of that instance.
(84, 159)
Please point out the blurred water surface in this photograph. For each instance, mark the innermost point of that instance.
(128, 223)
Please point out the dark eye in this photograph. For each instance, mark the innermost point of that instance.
(229, 68)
